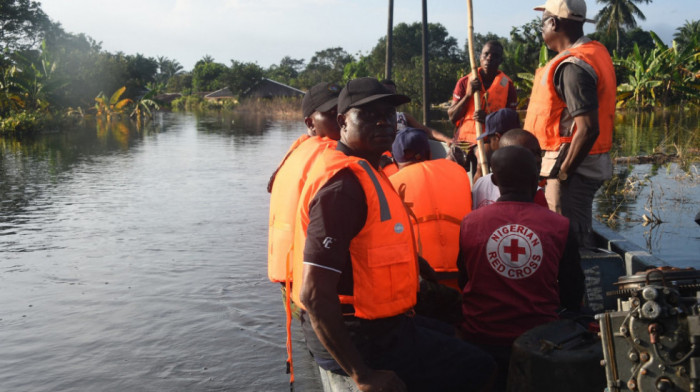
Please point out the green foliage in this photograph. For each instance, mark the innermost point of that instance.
(326, 65)
(617, 15)
(167, 69)
(240, 77)
(688, 34)
(287, 71)
(113, 107)
(143, 106)
(22, 24)
(446, 62)
(23, 122)
(659, 77)
(208, 75)
(141, 71)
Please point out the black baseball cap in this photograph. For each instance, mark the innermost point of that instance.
(361, 91)
(321, 97)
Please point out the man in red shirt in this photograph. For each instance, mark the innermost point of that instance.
(497, 92)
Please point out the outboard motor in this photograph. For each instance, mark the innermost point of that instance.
(651, 342)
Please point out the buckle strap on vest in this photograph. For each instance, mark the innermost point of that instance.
(434, 217)
(384, 211)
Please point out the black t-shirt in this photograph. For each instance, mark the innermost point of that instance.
(336, 215)
(577, 87)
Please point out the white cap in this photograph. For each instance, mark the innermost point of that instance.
(567, 9)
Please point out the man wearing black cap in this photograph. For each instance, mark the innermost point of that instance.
(319, 108)
(571, 111)
(358, 277)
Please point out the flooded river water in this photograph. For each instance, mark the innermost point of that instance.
(136, 260)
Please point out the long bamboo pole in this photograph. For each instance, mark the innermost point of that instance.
(477, 94)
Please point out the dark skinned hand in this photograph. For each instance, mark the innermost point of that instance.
(474, 85)
(480, 116)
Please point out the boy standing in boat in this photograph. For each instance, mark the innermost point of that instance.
(359, 276)
(571, 112)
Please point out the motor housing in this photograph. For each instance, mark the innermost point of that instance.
(651, 342)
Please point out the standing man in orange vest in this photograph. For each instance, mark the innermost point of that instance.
(571, 112)
(358, 277)
(497, 92)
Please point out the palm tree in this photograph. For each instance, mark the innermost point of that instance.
(688, 34)
(617, 15)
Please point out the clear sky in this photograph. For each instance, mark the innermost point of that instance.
(264, 31)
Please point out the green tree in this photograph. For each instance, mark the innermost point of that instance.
(240, 77)
(446, 61)
(287, 71)
(325, 65)
(167, 68)
(141, 71)
(616, 15)
(208, 75)
(180, 83)
(22, 24)
(688, 34)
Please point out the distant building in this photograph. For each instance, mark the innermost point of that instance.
(267, 88)
(220, 95)
(167, 98)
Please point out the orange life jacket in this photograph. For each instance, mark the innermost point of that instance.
(384, 263)
(493, 99)
(439, 195)
(545, 109)
(284, 196)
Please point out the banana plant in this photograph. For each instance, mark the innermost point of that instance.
(142, 108)
(9, 98)
(112, 107)
(660, 76)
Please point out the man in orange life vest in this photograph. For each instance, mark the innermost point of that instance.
(319, 108)
(358, 277)
(497, 92)
(518, 264)
(571, 112)
(438, 194)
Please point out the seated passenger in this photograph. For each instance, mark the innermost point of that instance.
(519, 266)
(496, 124)
(358, 277)
(438, 194)
(485, 191)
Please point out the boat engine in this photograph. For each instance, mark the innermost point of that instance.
(651, 342)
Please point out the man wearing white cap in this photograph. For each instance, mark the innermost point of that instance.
(571, 112)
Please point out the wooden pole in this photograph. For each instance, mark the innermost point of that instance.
(426, 82)
(389, 41)
(477, 94)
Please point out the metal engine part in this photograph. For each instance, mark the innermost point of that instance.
(651, 342)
